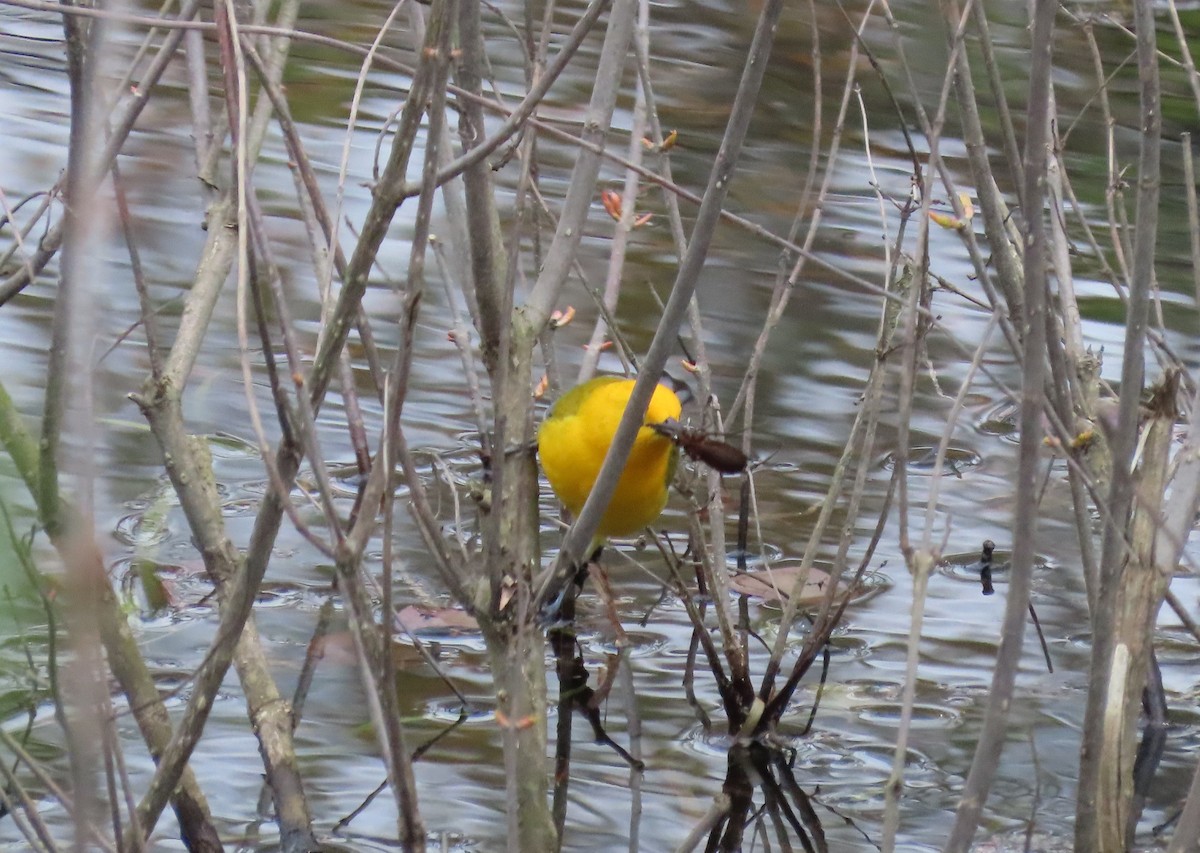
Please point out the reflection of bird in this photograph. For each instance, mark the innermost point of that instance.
(574, 439)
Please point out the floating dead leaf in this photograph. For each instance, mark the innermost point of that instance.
(759, 585)
(337, 650)
(450, 620)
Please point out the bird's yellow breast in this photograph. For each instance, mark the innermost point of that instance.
(575, 437)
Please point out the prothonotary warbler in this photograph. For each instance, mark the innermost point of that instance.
(574, 439)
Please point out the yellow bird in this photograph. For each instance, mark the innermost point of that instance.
(574, 439)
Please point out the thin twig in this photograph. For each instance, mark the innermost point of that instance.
(991, 740)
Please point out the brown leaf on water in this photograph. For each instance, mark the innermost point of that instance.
(444, 619)
(338, 650)
(759, 585)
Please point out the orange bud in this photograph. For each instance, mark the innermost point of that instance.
(1083, 439)
(612, 203)
(560, 318)
(667, 144)
(517, 725)
(968, 206)
(946, 220)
